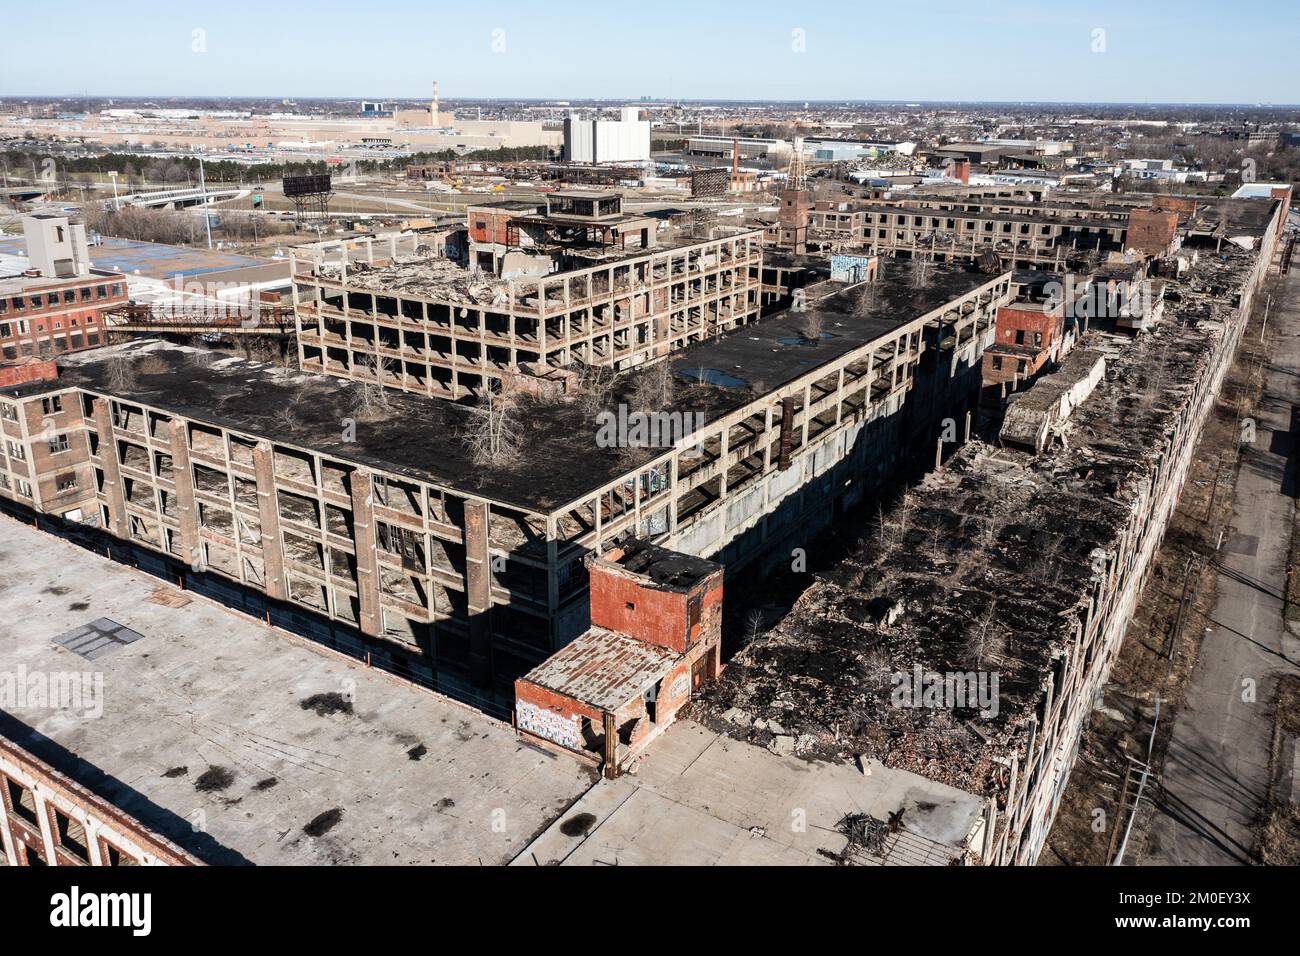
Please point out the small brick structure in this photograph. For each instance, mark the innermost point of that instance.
(1153, 232)
(1029, 335)
(655, 637)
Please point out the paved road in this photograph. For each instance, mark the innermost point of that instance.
(1216, 771)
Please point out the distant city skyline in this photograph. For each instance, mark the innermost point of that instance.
(920, 51)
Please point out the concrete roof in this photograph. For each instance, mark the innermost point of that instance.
(774, 351)
(239, 742)
(700, 798)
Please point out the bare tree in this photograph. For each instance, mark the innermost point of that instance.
(985, 640)
(887, 534)
(876, 667)
(655, 388)
(596, 384)
(920, 273)
(121, 373)
(493, 436)
(371, 401)
(812, 326)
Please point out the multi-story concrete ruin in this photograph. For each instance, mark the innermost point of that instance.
(581, 282)
(367, 521)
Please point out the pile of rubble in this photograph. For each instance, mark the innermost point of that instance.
(986, 567)
(428, 278)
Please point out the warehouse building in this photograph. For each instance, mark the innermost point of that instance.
(595, 141)
(1021, 563)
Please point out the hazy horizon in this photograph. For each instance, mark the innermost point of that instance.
(846, 102)
(920, 51)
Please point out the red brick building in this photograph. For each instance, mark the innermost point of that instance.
(1029, 335)
(42, 317)
(57, 304)
(655, 637)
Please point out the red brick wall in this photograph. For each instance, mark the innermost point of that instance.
(493, 227)
(1029, 319)
(34, 371)
(564, 709)
(620, 603)
(1152, 231)
(1184, 206)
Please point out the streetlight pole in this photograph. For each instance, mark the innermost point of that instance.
(112, 174)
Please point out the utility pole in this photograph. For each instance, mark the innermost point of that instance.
(1142, 783)
(203, 192)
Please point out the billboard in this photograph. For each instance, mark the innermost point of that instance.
(306, 185)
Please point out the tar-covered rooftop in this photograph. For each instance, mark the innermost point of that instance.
(561, 461)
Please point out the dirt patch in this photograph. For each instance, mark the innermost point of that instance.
(326, 704)
(266, 784)
(416, 752)
(176, 772)
(578, 825)
(214, 779)
(323, 823)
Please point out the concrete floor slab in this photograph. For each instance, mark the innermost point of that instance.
(701, 798)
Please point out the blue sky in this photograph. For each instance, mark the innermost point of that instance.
(1157, 51)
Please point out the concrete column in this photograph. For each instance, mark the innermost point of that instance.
(478, 589)
(786, 447)
(364, 540)
(183, 478)
(112, 473)
(268, 513)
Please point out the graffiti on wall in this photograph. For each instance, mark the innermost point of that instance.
(548, 724)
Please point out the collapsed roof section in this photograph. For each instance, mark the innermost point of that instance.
(989, 565)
